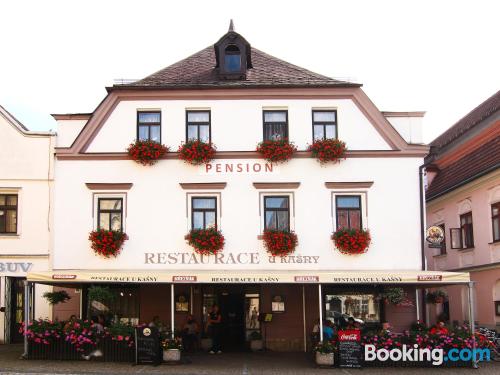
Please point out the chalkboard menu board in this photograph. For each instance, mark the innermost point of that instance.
(147, 346)
(350, 350)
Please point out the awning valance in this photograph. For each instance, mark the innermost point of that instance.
(249, 277)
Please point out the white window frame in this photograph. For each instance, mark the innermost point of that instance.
(364, 206)
(214, 194)
(109, 195)
(291, 202)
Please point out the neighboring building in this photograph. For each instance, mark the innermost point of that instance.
(463, 197)
(26, 183)
(235, 96)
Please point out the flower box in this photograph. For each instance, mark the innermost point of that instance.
(276, 151)
(205, 241)
(196, 152)
(172, 355)
(280, 242)
(352, 241)
(325, 359)
(328, 150)
(107, 243)
(146, 152)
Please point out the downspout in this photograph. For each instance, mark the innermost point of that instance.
(422, 239)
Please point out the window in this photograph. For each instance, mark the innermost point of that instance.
(277, 213)
(110, 213)
(324, 124)
(442, 249)
(149, 126)
(203, 212)
(467, 233)
(198, 126)
(232, 61)
(363, 305)
(348, 211)
(275, 125)
(8, 213)
(495, 221)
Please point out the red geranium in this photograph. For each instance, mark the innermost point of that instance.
(328, 150)
(277, 151)
(280, 242)
(206, 241)
(107, 242)
(197, 152)
(146, 152)
(352, 241)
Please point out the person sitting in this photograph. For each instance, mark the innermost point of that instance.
(351, 323)
(190, 334)
(439, 329)
(328, 331)
(156, 323)
(70, 323)
(386, 328)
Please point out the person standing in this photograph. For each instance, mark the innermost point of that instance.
(214, 321)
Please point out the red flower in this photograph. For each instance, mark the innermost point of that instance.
(146, 152)
(107, 242)
(279, 242)
(352, 241)
(328, 150)
(277, 151)
(196, 152)
(206, 241)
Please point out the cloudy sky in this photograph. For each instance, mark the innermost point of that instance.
(442, 57)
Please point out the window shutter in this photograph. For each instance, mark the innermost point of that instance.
(456, 238)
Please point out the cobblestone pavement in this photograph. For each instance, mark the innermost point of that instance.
(271, 363)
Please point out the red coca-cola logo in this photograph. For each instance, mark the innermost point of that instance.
(350, 335)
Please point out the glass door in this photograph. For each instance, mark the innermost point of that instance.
(252, 311)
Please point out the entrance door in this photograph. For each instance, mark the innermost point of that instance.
(16, 309)
(233, 320)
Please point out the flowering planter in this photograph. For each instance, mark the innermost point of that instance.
(197, 152)
(352, 241)
(205, 241)
(107, 243)
(172, 355)
(328, 150)
(146, 152)
(280, 242)
(278, 151)
(325, 359)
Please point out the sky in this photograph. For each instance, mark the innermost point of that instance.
(442, 57)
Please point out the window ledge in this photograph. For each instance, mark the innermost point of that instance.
(466, 250)
(494, 243)
(440, 255)
(10, 235)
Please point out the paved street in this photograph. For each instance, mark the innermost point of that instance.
(271, 363)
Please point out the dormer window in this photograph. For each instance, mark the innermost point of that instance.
(232, 59)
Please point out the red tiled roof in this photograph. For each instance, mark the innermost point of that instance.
(482, 160)
(198, 71)
(483, 110)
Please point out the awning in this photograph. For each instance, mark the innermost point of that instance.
(249, 277)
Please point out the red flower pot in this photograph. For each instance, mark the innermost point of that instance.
(107, 242)
(280, 242)
(328, 150)
(196, 152)
(146, 152)
(205, 241)
(276, 151)
(352, 241)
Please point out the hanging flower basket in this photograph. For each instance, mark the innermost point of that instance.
(107, 242)
(280, 242)
(196, 152)
(206, 241)
(328, 150)
(146, 152)
(397, 297)
(278, 151)
(53, 298)
(436, 296)
(352, 241)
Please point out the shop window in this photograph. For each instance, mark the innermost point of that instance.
(8, 213)
(324, 124)
(277, 213)
(348, 211)
(495, 221)
(275, 125)
(149, 126)
(340, 306)
(198, 126)
(203, 212)
(110, 213)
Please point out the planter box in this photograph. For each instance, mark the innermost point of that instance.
(172, 355)
(324, 359)
(256, 345)
(206, 344)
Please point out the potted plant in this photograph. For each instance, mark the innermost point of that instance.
(256, 342)
(205, 241)
(146, 152)
(171, 350)
(54, 298)
(352, 241)
(328, 150)
(276, 151)
(196, 152)
(437, 296)
(280, 242)
(324, 353)
(107, 243)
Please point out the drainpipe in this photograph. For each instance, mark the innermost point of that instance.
(27, 313)
(422, 236)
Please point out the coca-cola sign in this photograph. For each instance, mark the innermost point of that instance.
(350, 335)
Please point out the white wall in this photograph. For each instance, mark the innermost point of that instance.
(68, 130)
